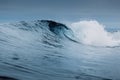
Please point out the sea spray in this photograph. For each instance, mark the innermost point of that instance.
(93, 33)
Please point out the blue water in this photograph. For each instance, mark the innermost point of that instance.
(37, 51)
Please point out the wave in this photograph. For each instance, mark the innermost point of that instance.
(45, 49)
(46, 32)
(93, 33)
(52, 33)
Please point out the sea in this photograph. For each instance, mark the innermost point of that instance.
(50, 50)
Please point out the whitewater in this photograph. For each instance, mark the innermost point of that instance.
(50, 50)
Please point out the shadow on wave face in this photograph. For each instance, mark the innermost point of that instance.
(7, 78)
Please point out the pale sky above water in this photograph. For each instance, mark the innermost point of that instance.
(105, 11)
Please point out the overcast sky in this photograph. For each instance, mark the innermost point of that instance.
(105, 11)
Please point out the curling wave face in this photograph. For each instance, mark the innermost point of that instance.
(45, 31)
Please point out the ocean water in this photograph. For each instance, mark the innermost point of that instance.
(49, 50)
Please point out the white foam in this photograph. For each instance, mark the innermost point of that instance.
(93, 33)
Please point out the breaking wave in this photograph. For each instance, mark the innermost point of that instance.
(93, 33)
(51, 32)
